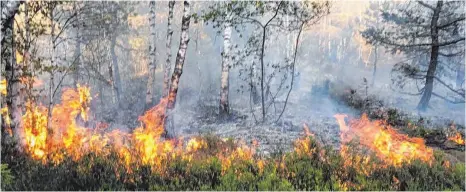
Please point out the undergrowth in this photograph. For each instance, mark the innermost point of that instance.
(311, 167)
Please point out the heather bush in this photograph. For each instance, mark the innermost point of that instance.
(310, 167)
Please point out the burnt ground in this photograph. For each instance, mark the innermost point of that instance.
(317, 114)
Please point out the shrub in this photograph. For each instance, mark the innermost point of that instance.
(310, 167)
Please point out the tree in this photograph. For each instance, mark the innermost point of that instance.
(226, 64)
(268, 18)
(179, 62)
(167, 67)
(13, 70)
(8, 12)
(424, 30)
(304, 15)
(152, 59)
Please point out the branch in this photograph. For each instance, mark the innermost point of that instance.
(426, 5)
(64, 75)
(446, 99)
(451, 23)
(276, 13)
(451, 42)
(292, 70)
(450, 54)
(421, 44)
(444, 84)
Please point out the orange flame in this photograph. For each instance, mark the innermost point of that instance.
(457, 138)
(389, 145)
(67, 136)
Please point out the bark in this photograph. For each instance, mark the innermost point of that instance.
(152, 63)
(429, 85)
(167, 67)
(226, 63)
(77, 52)
(8, 10)
(115, 72)
(180, 58)
(14, 72)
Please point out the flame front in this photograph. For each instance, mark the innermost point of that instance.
(389, 145)
(67, 136)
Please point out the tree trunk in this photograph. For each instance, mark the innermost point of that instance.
(14, 72)
(180, 58)
(152, 58)
(115, 73)
(429, 85)
(264, 34)
(254, 92)
(374, 72)
(8, 10)
(263, 71)
(226, 63)
(167, 67)
(77, 51)
(51, 72)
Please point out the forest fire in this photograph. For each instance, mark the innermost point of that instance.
(457, 138)
(389, 145)
(67, 137)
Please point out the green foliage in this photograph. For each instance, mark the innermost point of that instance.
(7, 177)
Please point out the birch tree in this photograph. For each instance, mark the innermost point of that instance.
(268, 20)
(13, 71)
(179, 62)
(226, 64)
(152, 56)
(167, 67)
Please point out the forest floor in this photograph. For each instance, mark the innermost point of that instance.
(317, 114)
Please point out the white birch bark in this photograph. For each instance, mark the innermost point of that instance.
(180, 58)
(226, 63)
(167, 67)
(152, 57)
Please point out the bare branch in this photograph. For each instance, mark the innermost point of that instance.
(450, 23)
(451, 54)
(446, 99)
(426, 5)
(421, 44)
(449, 87)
